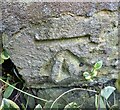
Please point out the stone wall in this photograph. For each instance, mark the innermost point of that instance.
(48, 42)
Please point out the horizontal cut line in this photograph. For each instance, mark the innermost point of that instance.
(62, 39)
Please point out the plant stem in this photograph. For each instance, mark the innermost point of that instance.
(27, 102)
(114, 98)
(74, 89)
(23, 91)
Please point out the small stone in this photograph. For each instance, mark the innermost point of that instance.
(37, 37)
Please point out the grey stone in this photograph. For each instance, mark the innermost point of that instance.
(19, 15)
(48, 41)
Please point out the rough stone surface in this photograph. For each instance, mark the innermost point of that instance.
(48, 41)
(18, 15)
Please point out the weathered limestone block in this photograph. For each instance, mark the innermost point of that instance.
(61, 42)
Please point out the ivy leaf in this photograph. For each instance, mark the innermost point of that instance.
(71, 106)
(38, 107)
(5, 55)
(99, 103)
(87, 75)
(8, 105)
(107, 91)
(8, 91)
(98, 65)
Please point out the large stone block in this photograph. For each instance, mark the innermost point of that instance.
(61, 40)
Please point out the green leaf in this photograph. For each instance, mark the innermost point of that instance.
(8, 104)
(8, 91)
(102, 104)
(48, 105)
(30, 101)
(98, 65)
(99, 103)
(5, 55)
(107, 91)
(1, 60)
(22, 106)
(93, 73)
(87, 75)
(71, 105)
(38, 107)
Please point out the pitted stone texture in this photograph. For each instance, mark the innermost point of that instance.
(57, 39)
(55, 56)
(68, 26)
(19, 15)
